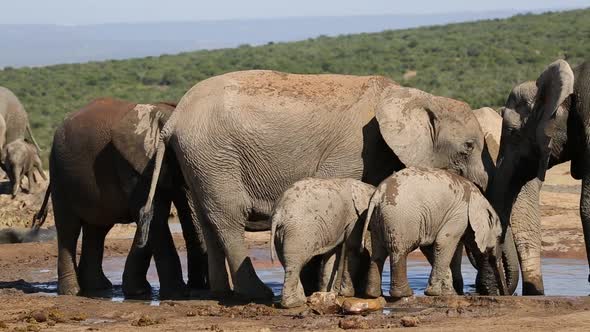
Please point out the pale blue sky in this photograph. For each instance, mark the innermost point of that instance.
(109, 11)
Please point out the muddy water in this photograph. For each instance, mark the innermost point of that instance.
(566, 277)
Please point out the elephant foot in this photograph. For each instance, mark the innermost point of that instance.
(256, 291)
(438, 290)
(292, 301)
(373, 290)
(198, 283)
(346, 291)
(399, 292)
(95, 282)
(68, 287)
(136, 290)
(221, 294)
(531, 289)
(176, 293)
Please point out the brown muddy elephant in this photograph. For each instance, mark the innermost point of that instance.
(99, 159)
(242, 138)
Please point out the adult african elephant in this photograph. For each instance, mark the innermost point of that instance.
(242, 138)
(14, 121)
(97, 164)
(545, 123)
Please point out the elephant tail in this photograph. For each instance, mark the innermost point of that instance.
(273, 229)
(366, 224)
(147, 211)
(39, 217)
(33, 137)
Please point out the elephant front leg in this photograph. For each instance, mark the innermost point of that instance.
(525, 223)
(91, 275)
(192, 231)
(328, 271)
(219, 282)
(441, 278)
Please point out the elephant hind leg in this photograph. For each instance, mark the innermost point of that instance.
(232, 222)
(400, 287)
(165, 255)
(456, 269)
(378, 256)
(293, 294)
(90, 275)
(135, 283)
(68, 230)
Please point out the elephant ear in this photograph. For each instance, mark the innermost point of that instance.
(483, 220)
(137, 134)
(554, 85)
(409, 125)
(490, 122)
(361, 195)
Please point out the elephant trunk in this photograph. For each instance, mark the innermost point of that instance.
(510, 261)
(496, 262)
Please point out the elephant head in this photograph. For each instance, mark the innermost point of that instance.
(484, 242)
(430, 131)
(530, 116)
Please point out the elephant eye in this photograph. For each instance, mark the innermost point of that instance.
(468, 147)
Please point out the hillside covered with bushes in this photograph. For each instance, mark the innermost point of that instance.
(476, 62)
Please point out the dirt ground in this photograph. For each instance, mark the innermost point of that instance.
(23, 308)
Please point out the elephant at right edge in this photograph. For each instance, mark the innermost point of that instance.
(544, 123)
(242, 138)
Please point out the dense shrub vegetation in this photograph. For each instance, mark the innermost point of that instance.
(476, 62)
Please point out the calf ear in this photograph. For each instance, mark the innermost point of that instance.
(484, 221)
(137, 134)
(554, 85)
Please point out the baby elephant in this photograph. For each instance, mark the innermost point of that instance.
(21, 159)
(434, 210)
(319, 217)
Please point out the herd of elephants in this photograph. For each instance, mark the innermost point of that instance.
(344, 171)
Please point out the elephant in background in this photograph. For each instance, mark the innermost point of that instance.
(19, 159)
(320, 217)
(98, 164)
(242, 138)
(545, 123)
(436, 210)
(14, 121)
